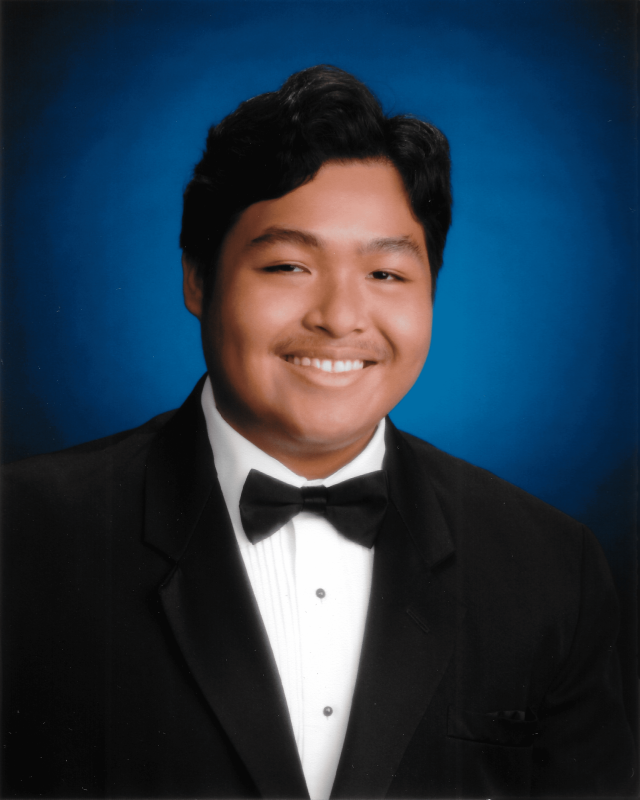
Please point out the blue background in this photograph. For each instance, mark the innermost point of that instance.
(532, 372)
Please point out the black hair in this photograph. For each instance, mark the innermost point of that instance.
(275, 142)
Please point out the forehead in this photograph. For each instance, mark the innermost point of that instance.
(345, 205)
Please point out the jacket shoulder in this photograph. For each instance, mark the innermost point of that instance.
(74, 466)
(466, 490)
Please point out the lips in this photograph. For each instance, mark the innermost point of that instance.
(327, 364)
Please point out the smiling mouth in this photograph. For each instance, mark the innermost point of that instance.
(329, 365)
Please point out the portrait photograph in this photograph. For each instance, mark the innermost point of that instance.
(319, 399)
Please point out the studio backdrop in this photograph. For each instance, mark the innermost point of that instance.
(532, 371)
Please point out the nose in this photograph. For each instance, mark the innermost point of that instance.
(337, 305)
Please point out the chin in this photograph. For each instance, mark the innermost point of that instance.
(328, 432)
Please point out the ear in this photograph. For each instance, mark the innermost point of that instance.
(192, 287)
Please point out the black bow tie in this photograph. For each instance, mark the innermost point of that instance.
(354, 507)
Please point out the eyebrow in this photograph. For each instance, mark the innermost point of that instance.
(387, 244)
(293, 236)
(394, 244)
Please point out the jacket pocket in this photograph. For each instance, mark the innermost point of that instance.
(507, 728)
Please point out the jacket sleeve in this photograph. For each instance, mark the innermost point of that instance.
(584, 747)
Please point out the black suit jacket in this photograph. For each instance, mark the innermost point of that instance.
(136, 663)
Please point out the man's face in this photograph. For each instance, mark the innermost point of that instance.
(321, 316)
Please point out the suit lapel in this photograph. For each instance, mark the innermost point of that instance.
(411, 626)
(210, 605)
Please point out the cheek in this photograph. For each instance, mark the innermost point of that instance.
(253, 318)
(409, 331)
(242, 322)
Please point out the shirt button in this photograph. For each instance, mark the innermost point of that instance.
(320, 593)
(327, 711)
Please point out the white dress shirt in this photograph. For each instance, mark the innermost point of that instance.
(312, 587)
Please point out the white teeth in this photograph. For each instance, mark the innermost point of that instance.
(326, 365)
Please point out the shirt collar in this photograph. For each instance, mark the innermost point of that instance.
(234, 456)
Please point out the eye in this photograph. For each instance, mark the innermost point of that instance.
(381, 275)
(283, 268)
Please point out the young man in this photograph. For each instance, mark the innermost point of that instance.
(273, 592)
